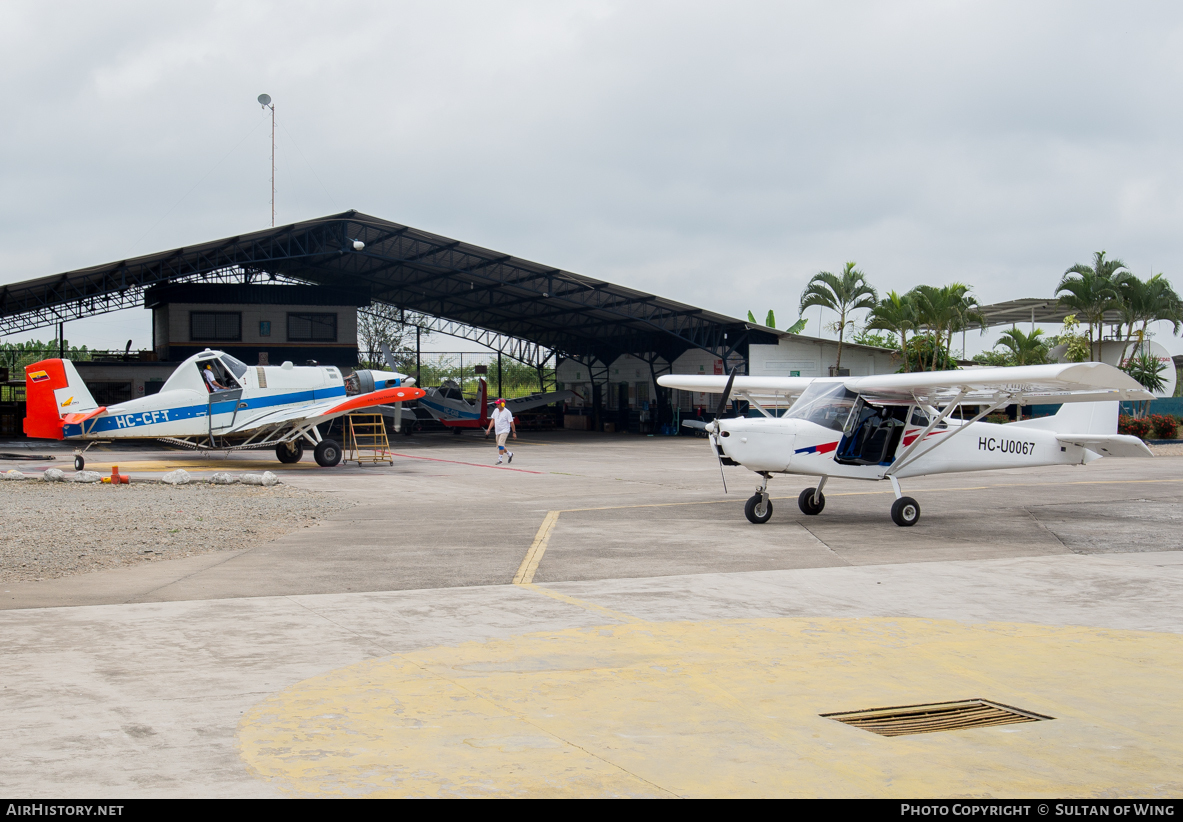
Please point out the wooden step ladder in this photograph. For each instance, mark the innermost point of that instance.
(365, 440)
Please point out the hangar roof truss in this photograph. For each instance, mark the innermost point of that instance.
(575, 316)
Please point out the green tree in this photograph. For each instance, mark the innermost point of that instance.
(383, 323)
(941, 310)
(842, 294)
(1025, 349)
(1091, 290)
(926, 351)
(1076, 346)
(1148, 370)
(895, 313)
(1146, 301)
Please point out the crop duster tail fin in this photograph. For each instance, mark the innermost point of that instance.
(53, 388)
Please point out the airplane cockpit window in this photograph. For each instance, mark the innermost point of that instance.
(825, 404)
(236, 367)
(920, 418)
(450, 390)
(216, 376)
(872, 434)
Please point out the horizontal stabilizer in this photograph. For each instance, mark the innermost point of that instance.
(78, 419)
(1109, 445)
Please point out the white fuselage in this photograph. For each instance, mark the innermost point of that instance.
(798, 446)
(186, 407)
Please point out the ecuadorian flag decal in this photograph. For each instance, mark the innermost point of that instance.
(38, 376)
(824, 448)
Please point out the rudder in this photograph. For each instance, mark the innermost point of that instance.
(1087, 418)
(53, 388)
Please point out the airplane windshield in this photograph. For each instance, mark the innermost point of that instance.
(825, 404)
(236, 367)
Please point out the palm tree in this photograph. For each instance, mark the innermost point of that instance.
(1091, 290)
(1026, 349)
(842, 293)
(1147, 301)
(941, 310)
(895, 312)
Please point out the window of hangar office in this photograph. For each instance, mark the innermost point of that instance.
(304, 327)
(215, 326)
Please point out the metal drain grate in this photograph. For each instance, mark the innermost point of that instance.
(939, 716)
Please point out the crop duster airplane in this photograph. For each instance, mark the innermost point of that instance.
(897, 426)
(213, 402)
(447, 404)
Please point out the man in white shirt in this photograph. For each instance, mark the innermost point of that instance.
(211, 381)
(502, 418)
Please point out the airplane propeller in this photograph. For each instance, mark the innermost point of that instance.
(714, 426)
(398, 406)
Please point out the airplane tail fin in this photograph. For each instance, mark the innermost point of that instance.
(53, 388)
(1086, 418)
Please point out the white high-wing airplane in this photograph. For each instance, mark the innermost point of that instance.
(896, 426)
(238, 407)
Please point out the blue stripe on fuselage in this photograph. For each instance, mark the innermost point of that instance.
(122, 422)
(450, 413)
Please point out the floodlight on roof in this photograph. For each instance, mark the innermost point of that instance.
(264, 99)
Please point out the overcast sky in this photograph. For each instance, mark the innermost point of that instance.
(715, 153)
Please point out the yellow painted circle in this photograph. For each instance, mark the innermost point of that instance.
(731, 708)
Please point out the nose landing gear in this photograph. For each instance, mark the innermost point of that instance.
(758, 508)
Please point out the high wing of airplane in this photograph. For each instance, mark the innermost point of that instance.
(212, 401)
(896, 426)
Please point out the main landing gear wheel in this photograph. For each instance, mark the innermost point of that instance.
(79, 463)
(807, 505)
(757, 509)
(905, 511)
(290, 452)
(327, 453)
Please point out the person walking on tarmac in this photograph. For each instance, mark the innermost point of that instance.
(503, 419)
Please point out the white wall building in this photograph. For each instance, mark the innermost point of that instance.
(795, 355)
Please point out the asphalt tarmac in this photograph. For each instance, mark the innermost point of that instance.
(598, 618)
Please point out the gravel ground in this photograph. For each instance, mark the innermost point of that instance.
(1175, 449)
(61, 529)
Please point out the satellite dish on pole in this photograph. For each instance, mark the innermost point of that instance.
(264, 99)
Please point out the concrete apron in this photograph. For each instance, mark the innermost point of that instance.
(704, 685)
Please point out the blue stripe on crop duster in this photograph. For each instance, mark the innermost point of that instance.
(114, 421)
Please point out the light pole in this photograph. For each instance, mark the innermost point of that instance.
(265, 102)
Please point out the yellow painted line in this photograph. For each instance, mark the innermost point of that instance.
(579, 603)
(529, 566)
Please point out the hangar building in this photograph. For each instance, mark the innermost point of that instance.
(292, 292)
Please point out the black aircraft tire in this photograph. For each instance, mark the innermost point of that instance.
(806, 504)
(757, 511)
(289, 452)
(905, 511)
(327, 453)
(79, 463)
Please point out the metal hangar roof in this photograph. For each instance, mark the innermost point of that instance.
(578, 317)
